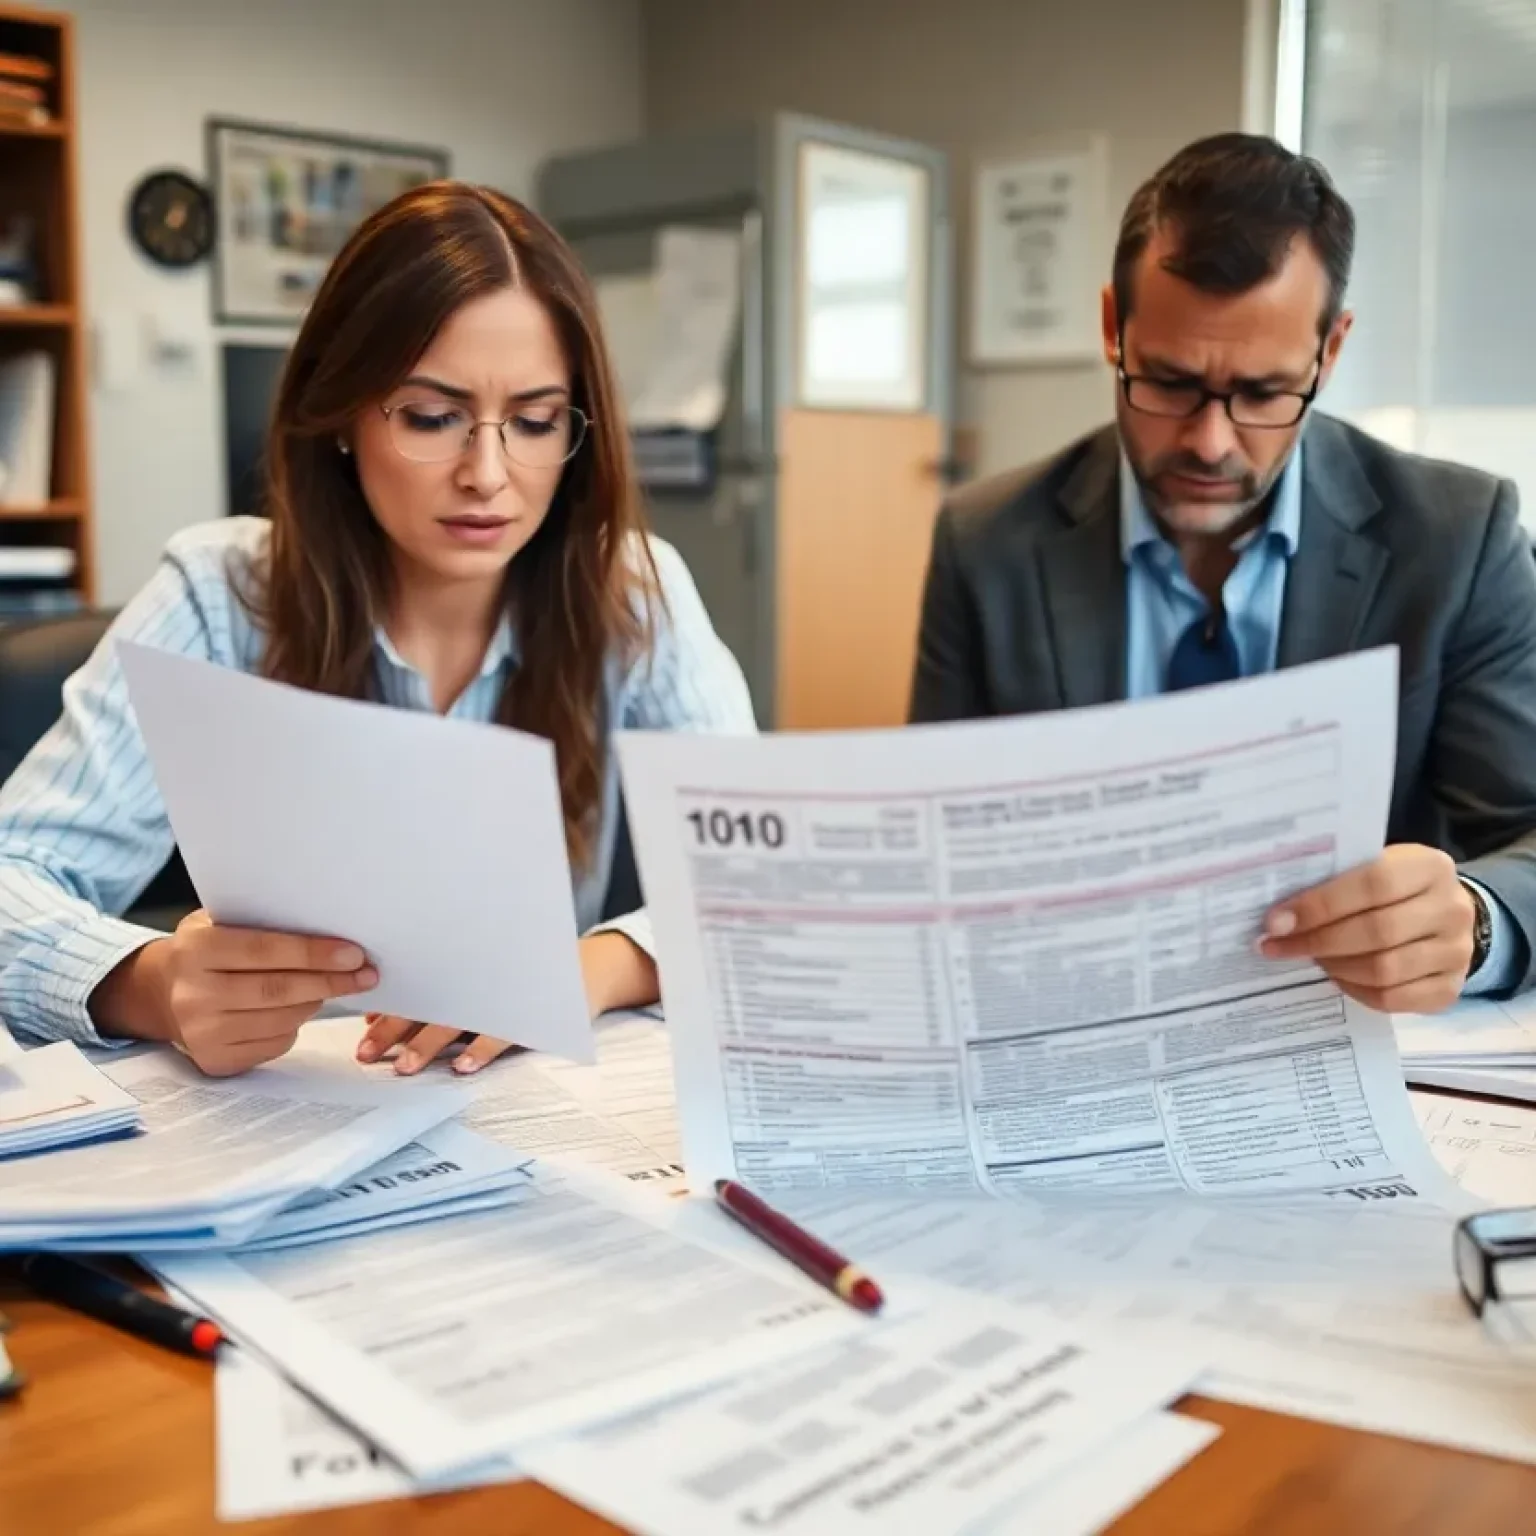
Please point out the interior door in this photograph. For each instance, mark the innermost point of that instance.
(864, 384)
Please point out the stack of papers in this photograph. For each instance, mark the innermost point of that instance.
(53, 1097)
(1479, 1046)
(215, 1161)
(446, 1172)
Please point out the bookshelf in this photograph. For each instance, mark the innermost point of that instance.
(40, 300)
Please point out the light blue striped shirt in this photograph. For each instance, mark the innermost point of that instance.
(83, 829)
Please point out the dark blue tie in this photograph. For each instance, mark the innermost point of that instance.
(1206, 653)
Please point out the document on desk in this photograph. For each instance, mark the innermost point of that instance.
(52, 1096)
(618, 1114)
(462, 899)
(1476, 1033)
(445, 1171)
(1020, 954)
(280, 1453)
(216, 1158)
(1334, 1313)
(456, 1342)
(1489, 1149)
(928, 1424)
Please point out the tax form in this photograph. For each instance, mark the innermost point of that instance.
(452, 1343)
(1019, 955)
(928, 1424)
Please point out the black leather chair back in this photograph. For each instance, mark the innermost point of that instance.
(35, 659)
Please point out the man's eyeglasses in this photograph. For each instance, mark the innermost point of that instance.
(1244, 407)
(539, 435)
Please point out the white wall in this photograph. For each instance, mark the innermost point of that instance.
(500, 83)
(979, 79)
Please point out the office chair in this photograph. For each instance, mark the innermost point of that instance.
(35, 658)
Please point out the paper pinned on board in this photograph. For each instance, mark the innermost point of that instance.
(694, 322)
(435, 844)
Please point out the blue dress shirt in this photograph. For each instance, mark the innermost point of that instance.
(82, 825)
(1161, 602)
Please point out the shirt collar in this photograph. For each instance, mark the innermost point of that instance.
(1137, 530)
(503, 648)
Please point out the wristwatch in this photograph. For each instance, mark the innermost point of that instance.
(1482, 928)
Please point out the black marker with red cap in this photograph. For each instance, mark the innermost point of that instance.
(84, 1288)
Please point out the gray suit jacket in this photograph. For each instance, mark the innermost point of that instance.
(1024, 610)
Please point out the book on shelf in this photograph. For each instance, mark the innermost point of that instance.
(26, 429)
(20, 66)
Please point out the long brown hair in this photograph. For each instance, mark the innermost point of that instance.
(581, 589)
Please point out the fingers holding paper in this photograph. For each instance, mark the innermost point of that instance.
(1395, 934)
(422, 1043)
(236, 997)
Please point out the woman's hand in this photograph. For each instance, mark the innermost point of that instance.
(230, 998)
(615, 972)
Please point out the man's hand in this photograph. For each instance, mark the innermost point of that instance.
(1395, 934)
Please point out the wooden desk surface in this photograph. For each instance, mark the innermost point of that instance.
(116, 1438)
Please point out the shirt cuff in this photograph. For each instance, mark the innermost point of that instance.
(635, 926)
(57, 1005)
(1502, 965)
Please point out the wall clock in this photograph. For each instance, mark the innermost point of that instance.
(170, 219)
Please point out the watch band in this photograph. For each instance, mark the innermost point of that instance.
(1482, 929)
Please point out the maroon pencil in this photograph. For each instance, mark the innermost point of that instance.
(809, 1254)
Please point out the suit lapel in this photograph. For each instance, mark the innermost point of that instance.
(1083, 577)
(1337, 567)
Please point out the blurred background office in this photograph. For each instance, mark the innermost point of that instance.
(848, 250)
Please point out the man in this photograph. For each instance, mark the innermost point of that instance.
(1223, 527)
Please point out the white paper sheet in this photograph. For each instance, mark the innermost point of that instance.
(618, 1115)
(419, 1181)
(1020, 954)
(216, 1159)
(1090, 1495)
(51, 1096)
(450, 1343)
(1351, 1318)
(697, 299)
(435, 844)
(1478, 1032)
(1500, 1082)
(924, 1425)
(279, 1453)
(1489, 1149)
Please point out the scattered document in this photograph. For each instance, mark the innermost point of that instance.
(1021, 954)
(217, 1157)
(925, 1425)
(279, 1453)
(618, 1114)
(1498, 1082)
(52, 1096)
(444, 1172)
(453, 1343)
(1346, 1315)
(462, 900)
(1476, 1033)
(1090, 1495)
(1489, 1149)
(697, 305)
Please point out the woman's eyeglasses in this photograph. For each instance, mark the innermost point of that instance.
(539, 435)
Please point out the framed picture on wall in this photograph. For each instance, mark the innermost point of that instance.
(286, 201)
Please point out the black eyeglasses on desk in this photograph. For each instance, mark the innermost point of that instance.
(1496, 1257)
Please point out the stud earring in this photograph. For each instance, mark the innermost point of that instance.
(344, 445)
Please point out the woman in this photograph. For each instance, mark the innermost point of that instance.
(453, 526)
